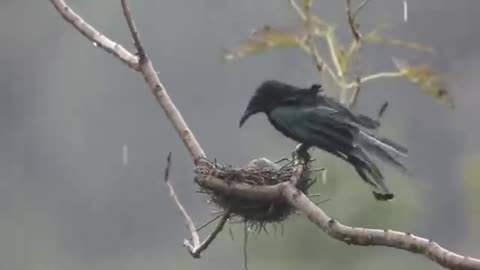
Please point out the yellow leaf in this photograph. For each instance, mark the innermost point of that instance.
(375, 37)
(264, 39)
(427, 80)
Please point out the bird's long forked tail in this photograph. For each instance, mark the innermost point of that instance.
(384, 149)
(371, 174)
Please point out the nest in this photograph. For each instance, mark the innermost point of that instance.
(260, 172)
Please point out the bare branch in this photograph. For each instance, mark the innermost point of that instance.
(298, 9)
(133, 30)
(371, 77)
(355, 93)
(310, 46)
(375, 237)
(147, 70)
(210, 221)
(245, 242)
(333, 54)
(360, 7)
(351, 21)
(161, 95)
(194, 247)
(188, 220)
(357, 42)
(196, 251)
(92, 34)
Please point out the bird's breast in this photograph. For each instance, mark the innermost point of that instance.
(285, 121)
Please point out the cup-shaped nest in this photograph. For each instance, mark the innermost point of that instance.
(260, 172)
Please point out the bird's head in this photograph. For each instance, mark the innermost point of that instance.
(266, 97)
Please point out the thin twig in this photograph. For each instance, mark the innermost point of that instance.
(209, 222)
(310, 46)
(333, 53)
(298, 9)
(194, 247)
(352, 23)
(133, 30)
(188, 220)
(382, 110)
(320, 63)
(204, 245)
(322, 201)
(96, 37)
(245, 242)
(355, 93)
(391, 74)
(360, 7)
(158, 90)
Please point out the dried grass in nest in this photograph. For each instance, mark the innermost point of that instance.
(265, 172)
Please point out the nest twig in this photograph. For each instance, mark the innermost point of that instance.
(260, 172)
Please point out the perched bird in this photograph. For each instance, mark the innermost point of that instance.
(317, 120)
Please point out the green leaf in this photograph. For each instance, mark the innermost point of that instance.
(427, 80)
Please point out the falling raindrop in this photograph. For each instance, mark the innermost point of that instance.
(125, 154)
(95, 44)
(405, 10)
(324, 176)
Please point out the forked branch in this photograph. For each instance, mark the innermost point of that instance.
(194, 246)
(285, 191)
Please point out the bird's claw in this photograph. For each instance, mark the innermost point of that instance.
(301, 154)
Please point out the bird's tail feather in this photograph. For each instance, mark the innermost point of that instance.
(370, 173)
(385, 149)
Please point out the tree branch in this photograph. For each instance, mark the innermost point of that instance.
(375, 237)
(351, 22)
(194, 247)
(133, 30)
(284, 191)
(349, 235)
(188, 220)
(92, 34)
(147, 70)
(158, 90)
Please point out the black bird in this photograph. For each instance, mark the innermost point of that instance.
(316, 120)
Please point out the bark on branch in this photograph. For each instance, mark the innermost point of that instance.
(285, 191)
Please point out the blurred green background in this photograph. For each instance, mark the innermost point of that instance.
(67, 109)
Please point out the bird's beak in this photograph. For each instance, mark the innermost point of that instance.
(248, 112)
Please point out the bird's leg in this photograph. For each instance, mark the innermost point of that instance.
(301, 152)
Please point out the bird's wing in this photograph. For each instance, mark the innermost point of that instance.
(319, 126)
(322, 127)
(346, 114)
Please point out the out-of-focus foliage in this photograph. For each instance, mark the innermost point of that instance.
(375, 37)
(264, 39)
(312, 29)
(472, 189)
(427, 80)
